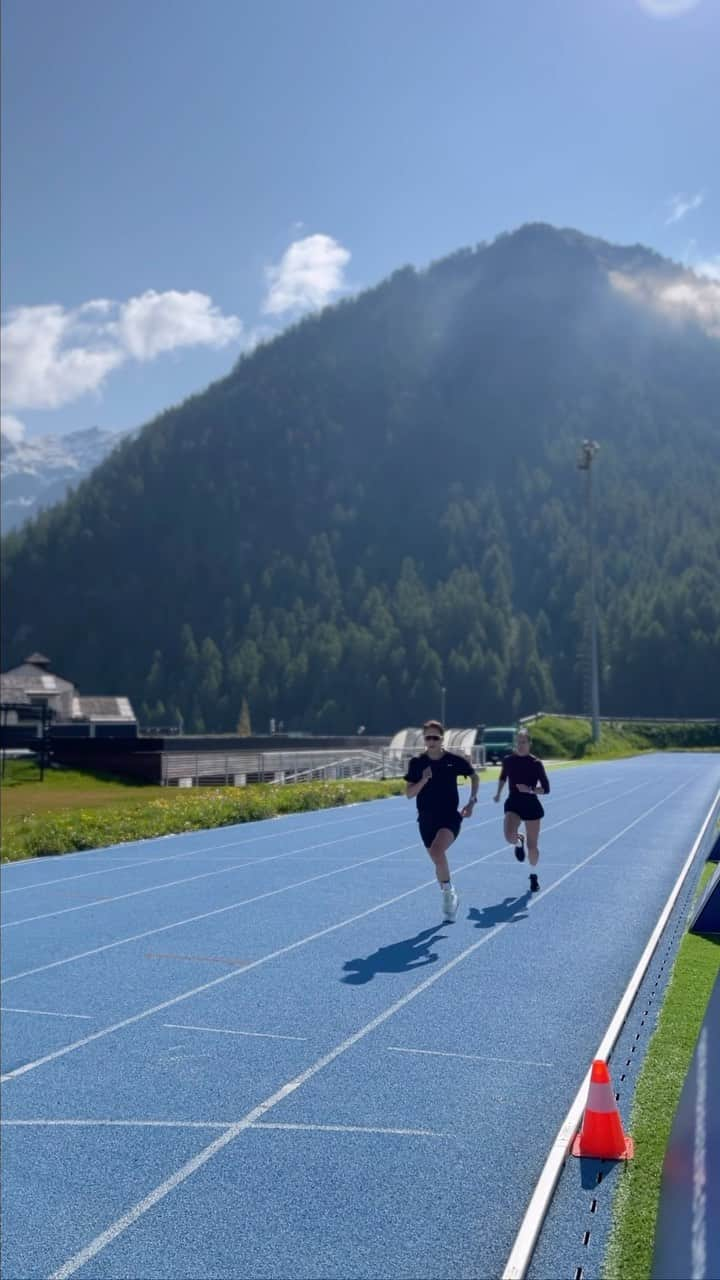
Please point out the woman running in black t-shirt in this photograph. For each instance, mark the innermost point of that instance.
(432, 781)
(527, 779)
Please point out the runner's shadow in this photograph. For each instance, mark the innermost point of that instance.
(509, 911)
(399, 957)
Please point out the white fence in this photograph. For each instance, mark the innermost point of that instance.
(240, 768)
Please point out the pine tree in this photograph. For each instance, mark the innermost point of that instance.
(244, 727)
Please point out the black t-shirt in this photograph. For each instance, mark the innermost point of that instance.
(525, 769)
(440, 794)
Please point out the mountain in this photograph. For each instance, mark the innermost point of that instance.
(38, 473)
(385, 500)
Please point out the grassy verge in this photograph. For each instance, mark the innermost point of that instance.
(158, 811)
(22, 792)
(630, 1251)
(572, 739)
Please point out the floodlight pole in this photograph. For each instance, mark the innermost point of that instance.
(588, 450)
(442, 705)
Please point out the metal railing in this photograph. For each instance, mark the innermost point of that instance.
(243, 768)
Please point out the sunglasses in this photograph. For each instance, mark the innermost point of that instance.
(433, 737)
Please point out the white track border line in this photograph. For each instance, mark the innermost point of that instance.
(44, 1013)
(527, 1237)
(222, 1124)
(177, 924)
(233, 1131)
(470, 1057)
(126, 846)
(229, 906)
(225, 1031)
(202, 875)
(203, 851)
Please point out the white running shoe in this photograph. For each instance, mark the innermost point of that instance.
(451, 901)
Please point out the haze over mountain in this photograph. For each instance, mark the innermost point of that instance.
(385, 500)
(36, 473)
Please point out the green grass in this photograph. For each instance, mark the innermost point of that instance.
(630, 1251)
(72, 810)
(23, 794)
(562, 738)
(93, 813)
(25, 773)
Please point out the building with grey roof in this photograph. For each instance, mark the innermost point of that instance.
(34, 686)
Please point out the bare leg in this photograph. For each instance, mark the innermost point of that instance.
(533, 832)
(438, 852)
(511, 827)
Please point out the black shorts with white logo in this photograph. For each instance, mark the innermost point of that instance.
(431, 823)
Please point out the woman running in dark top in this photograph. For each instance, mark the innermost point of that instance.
(527, 779)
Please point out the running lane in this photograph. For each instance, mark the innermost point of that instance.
(357, 1089)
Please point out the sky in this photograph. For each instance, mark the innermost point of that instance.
(181, 179)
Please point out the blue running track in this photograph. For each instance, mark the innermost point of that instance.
(259, 1053)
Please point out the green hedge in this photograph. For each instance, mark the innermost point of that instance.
(68, 830)
(572, 739)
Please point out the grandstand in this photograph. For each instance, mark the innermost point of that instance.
(410, 742)
(219, 760)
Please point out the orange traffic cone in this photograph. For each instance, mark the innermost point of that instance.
(602, 1133)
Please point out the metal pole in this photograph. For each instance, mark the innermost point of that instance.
(587, 454)
(442, 705)
(595, 677)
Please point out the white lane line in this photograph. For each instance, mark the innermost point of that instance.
(214, 982)
(175, 857)
(352, 1128)
(471, 1057)
(176, 924)
(227, 844)
(203, 875)
(120, 1124)
(127, 846)
(121, 1224)
(524, 1246)
(104, 871)
(223, 1031)
(78, 1044)
(237, 866)
(43, 1013)
(222, 1124)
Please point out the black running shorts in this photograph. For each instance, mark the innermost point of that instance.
(431, 823)
(524, 806)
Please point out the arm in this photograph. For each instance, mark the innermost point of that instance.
(413, 788)
(474, 788)
(543, 785)
(502, 778)
(416, 778)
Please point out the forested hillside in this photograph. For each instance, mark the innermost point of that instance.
(385, 500)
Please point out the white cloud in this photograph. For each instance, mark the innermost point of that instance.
(157, 322)
(307, 276)
(686, 298)
(42, 369)
(681, 205)
(668, 8)
(52, 356)
(12, 428)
